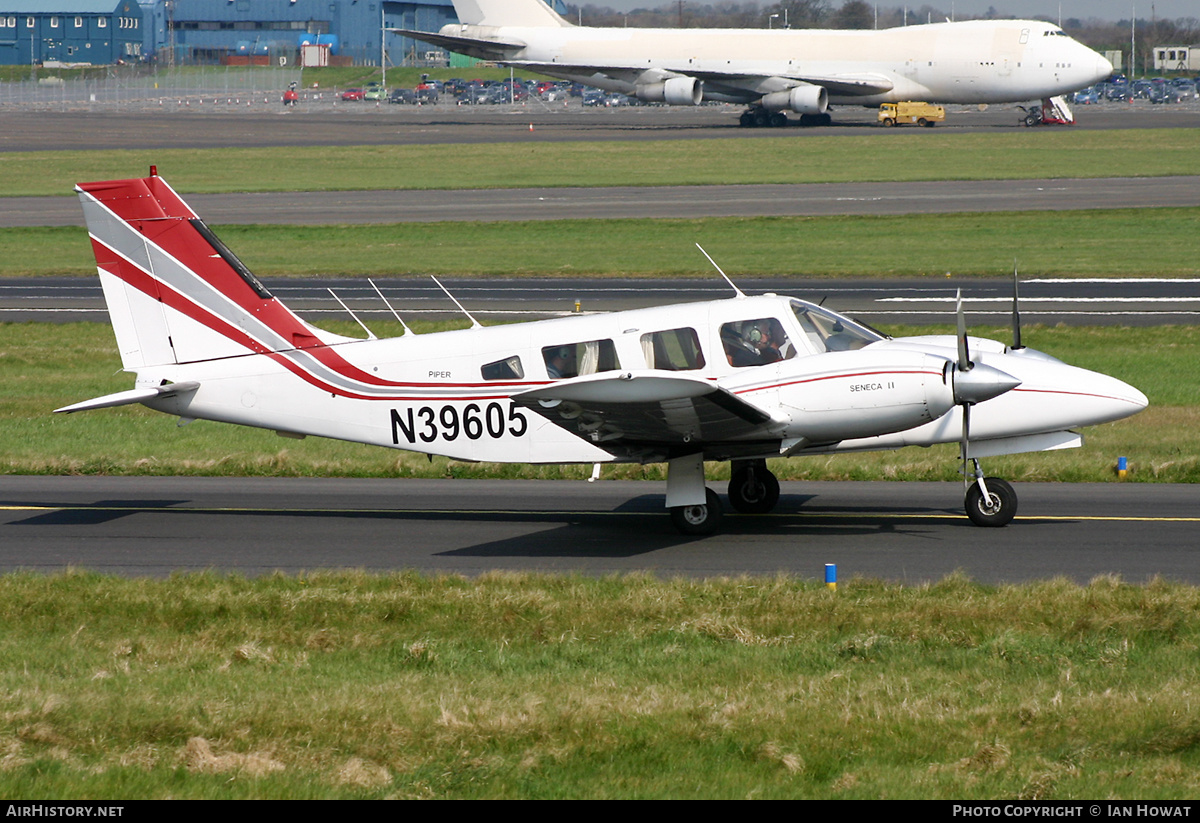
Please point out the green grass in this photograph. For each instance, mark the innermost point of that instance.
(344, 685)
(45, 366)
(895, 156)
(1124, 242)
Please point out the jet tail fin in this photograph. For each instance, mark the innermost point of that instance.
(174, 292)
(530, 13)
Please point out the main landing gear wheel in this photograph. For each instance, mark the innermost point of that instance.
(699, 519)
(753, 489)
(999, 510)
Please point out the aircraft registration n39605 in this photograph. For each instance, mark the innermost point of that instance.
(742, 379)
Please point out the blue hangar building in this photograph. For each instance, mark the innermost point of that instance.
(178, 32)
(99, 32)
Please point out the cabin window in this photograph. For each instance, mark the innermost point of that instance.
(756, 342)
(507, 369)
(577, 359)
(827, 331)
(673, 350)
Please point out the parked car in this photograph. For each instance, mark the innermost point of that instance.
(374, 91)
(352, 94)
(594, 98)
(403, 96)
(427, 93)
(1086, 97)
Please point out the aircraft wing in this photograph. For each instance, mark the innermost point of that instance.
(634, 414)
(744, 87)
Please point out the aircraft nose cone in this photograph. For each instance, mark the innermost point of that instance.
(1104, 68)
(981, 383)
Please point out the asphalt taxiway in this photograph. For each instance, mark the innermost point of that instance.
(911, 532)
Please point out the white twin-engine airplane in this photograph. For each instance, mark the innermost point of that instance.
(742, 379)
(779, 70)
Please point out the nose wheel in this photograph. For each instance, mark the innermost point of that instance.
(990, 501)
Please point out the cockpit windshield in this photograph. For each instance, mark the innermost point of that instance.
(827, 331)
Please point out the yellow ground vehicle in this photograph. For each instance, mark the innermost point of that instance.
(923, 114)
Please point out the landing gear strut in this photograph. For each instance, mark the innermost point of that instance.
(990, 501)
(695, 509)
(753, 489)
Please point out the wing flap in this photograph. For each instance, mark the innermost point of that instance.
(633, 412)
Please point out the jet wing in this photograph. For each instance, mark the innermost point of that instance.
(632, 414)
(744, 87)
(489, 49)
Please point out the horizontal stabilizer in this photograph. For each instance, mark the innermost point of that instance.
(482, 49)
(127, 398)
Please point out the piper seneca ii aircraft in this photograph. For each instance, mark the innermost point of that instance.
(741, 379)
(774, 71)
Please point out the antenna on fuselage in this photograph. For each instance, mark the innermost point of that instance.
(370, 334)
(395, 314)
(474, 322)
(718, 268)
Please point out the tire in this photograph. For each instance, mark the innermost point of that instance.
(1004, 507)
(746, 121)
(1031, 120)
(753, 490)
(698, 520)
(921, 121)
(778, 120)
(889, 122)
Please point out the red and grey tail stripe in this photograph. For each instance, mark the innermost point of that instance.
(133, 223)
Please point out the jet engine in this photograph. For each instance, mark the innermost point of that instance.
(800, 99)
(678, 91)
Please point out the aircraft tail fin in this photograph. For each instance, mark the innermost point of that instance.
(174, 292)
(530, 13)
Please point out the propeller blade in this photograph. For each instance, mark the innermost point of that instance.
(1016, 312)
(964, 355)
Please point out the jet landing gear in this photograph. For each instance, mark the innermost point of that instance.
(753, 489)
(760, 117)
(990, 501)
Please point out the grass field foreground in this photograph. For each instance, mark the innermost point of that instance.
(45, 366)
(525, 686)
(895, 156)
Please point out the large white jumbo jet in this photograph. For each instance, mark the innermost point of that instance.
(779, 70)
(742, 379)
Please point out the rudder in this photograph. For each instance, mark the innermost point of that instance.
(174, 292)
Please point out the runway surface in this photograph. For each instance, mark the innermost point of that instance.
(1133, 301)
(361, 207)
(911, 532)
(220, 122)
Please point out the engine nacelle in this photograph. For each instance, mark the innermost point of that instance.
(678, 91)
(800, 99)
